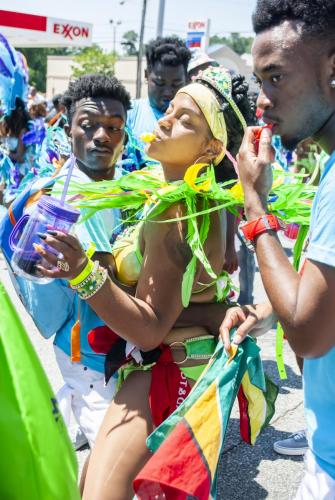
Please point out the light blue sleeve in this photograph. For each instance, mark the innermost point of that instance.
(131, 115)
(322, 241)
(93, 230)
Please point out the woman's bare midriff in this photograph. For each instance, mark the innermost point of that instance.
(203, 291)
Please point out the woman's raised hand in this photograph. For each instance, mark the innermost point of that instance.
(253, 319)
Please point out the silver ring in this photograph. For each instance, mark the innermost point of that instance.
(63, 265)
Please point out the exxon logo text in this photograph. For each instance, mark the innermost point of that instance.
(71, 32)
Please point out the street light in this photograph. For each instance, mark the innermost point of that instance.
(115, 25)
(160, 20)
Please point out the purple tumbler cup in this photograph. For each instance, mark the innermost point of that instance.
(48, 214)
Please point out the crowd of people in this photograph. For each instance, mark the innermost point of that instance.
(22, 133)
(175, 192)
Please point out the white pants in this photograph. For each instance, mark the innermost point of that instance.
(316, 483)
(84, 393)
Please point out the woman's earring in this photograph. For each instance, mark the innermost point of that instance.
(197, 160)
(332, 84)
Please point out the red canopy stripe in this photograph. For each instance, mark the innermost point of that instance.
(23, 21)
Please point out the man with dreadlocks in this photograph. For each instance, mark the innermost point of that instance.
(294, 62)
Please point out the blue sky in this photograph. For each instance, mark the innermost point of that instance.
(225, 15)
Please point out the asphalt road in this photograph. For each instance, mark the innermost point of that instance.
(245, 472)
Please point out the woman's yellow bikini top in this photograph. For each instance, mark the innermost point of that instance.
(127, 256)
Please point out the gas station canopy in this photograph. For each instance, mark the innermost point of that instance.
(29, 30)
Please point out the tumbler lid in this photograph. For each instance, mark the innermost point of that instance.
(54, 207)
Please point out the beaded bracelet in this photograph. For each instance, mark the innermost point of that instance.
(93, 283)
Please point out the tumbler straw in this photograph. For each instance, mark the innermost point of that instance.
(68, 178)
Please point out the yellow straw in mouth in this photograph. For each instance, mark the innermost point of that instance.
(148, 137)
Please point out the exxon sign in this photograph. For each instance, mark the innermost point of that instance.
(29, 30)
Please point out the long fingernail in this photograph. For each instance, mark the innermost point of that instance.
(52, 232)
(42, 236)
(38, 247)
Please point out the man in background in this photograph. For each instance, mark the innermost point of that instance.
(166, 72)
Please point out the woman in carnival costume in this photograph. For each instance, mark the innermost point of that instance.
(174, 256)
(202, 123)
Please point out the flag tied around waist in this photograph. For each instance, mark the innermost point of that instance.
(188, 445)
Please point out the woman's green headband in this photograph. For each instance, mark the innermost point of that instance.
(219, 79)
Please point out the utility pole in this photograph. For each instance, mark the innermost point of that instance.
(160, 20)
(115, 24)
(140, 51)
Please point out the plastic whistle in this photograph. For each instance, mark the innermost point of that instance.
(148, 137)
(258, 133)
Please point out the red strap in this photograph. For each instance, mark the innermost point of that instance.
(169, 387)
(258, 226)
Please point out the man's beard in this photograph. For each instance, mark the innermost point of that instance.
(290, 144)
(308, 130)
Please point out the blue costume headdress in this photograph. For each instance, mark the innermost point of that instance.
(13, 77)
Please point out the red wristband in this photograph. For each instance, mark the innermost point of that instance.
(266, 222)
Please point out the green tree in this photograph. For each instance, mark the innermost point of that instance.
(217, 40)
(129, 43)
(240, 44)
(93, 60)
(37, 62)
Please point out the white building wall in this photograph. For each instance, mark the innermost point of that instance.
(59, 73)
(240, 64)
